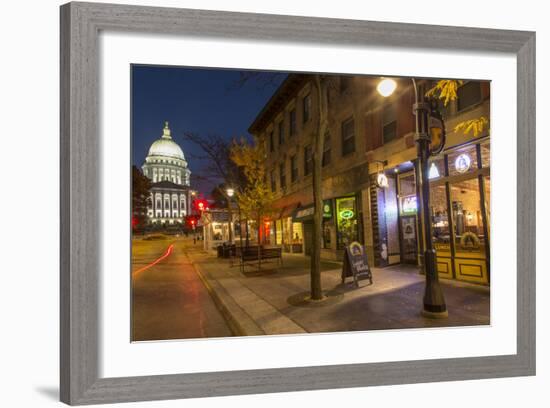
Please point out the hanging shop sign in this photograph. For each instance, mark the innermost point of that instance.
(356, 264)
(382, 180)
(463, 163)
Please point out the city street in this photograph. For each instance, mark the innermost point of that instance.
(169, 301)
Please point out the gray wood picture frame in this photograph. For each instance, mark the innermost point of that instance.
(80, 192)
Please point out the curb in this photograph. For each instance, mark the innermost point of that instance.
(237, 319)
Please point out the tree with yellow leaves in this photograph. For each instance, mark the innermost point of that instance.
(255, 198)
(446, 90)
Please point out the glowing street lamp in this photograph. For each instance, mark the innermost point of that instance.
(386, 87)
(230, 192)
(429, 124)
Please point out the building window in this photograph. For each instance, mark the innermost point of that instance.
(468, 95)
(273, 185)
(282, 175)
(306, 108)
(271, 144)
(326, 150)
(348, 137)
(292, 122)
(389, 123)
(281, 133)
(308, 160)
(345, 82)
(293, 169)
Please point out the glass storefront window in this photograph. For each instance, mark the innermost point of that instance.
(407, 194)
(463, 161)
(272, 236)
(407, 185)
(327, 231)
(297, 237)
(467, 218)
(485, 154)
(440, 218)
(279, 232)
(487, 185)
(287, 230)
(346, 218)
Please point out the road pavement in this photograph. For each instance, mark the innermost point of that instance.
(169, 300)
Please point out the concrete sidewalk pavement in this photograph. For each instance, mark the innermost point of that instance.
(271, 301)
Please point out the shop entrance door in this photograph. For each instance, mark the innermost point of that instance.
(409, 246)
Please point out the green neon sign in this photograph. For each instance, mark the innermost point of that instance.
(346, 214)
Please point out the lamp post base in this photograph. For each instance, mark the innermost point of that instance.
(434, 301)
(434, 315)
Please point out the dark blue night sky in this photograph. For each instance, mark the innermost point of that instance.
(199, 100)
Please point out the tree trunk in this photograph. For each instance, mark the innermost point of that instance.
(316, 287)
(259, 228)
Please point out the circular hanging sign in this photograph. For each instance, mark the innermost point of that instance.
(382, 180)
(346, 214)
(463, 163)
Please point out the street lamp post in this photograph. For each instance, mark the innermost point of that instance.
(230, 193)
(434, 302)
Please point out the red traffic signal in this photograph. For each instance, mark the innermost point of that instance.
(201, 204)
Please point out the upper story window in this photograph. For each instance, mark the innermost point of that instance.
(271, 144)
(293, 168)
(281, 132)
(282, 175)
(468, 95)
(326, 150)
(272, 180)
(308, 160)
(389, 123)
(345, 83)
(292, 122)
(306, 108)
(348, 137)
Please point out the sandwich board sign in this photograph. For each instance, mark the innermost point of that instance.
(356, 264)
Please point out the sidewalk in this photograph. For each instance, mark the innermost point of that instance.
(272, 301)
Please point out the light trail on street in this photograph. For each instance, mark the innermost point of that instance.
(166, 255)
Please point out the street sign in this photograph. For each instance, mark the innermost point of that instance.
(356, 264)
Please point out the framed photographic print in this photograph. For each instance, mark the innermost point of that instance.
(262, 203)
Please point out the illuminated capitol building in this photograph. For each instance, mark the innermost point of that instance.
(166, 167)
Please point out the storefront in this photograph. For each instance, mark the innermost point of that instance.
(460, 209)
(286, 233)
(341, 225)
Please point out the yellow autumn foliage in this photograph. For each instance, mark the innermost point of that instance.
(474, 125)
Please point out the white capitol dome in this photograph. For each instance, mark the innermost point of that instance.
(165, 146)
(166, 161)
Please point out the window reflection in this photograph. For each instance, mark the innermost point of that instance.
(466, 211)
(440, 217)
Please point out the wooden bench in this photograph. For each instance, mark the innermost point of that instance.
(252, 254)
